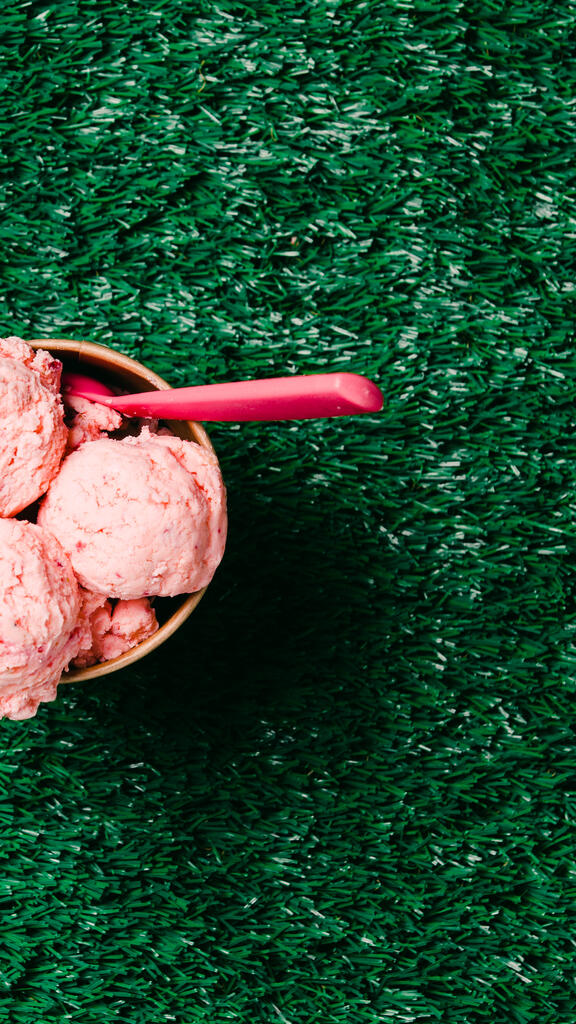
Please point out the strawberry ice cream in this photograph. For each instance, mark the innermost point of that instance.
(32, 430)
(88, 421)
(111, 628)
(120, 522)
(140, 516)
(39, 609)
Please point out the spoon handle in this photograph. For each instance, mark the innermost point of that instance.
(303, 396)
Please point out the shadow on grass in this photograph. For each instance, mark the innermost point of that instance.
(283, 626)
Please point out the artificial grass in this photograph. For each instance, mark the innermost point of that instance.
(345, 791)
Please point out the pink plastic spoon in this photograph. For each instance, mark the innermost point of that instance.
(303, 396)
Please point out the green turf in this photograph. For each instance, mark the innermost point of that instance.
(346, 791)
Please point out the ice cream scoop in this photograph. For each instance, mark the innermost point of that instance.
(32, 429)
(39, 610)
(302, 396)
(139, 517)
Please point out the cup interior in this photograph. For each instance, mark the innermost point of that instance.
(117, 370)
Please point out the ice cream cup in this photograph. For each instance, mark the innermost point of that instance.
(118, 370)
